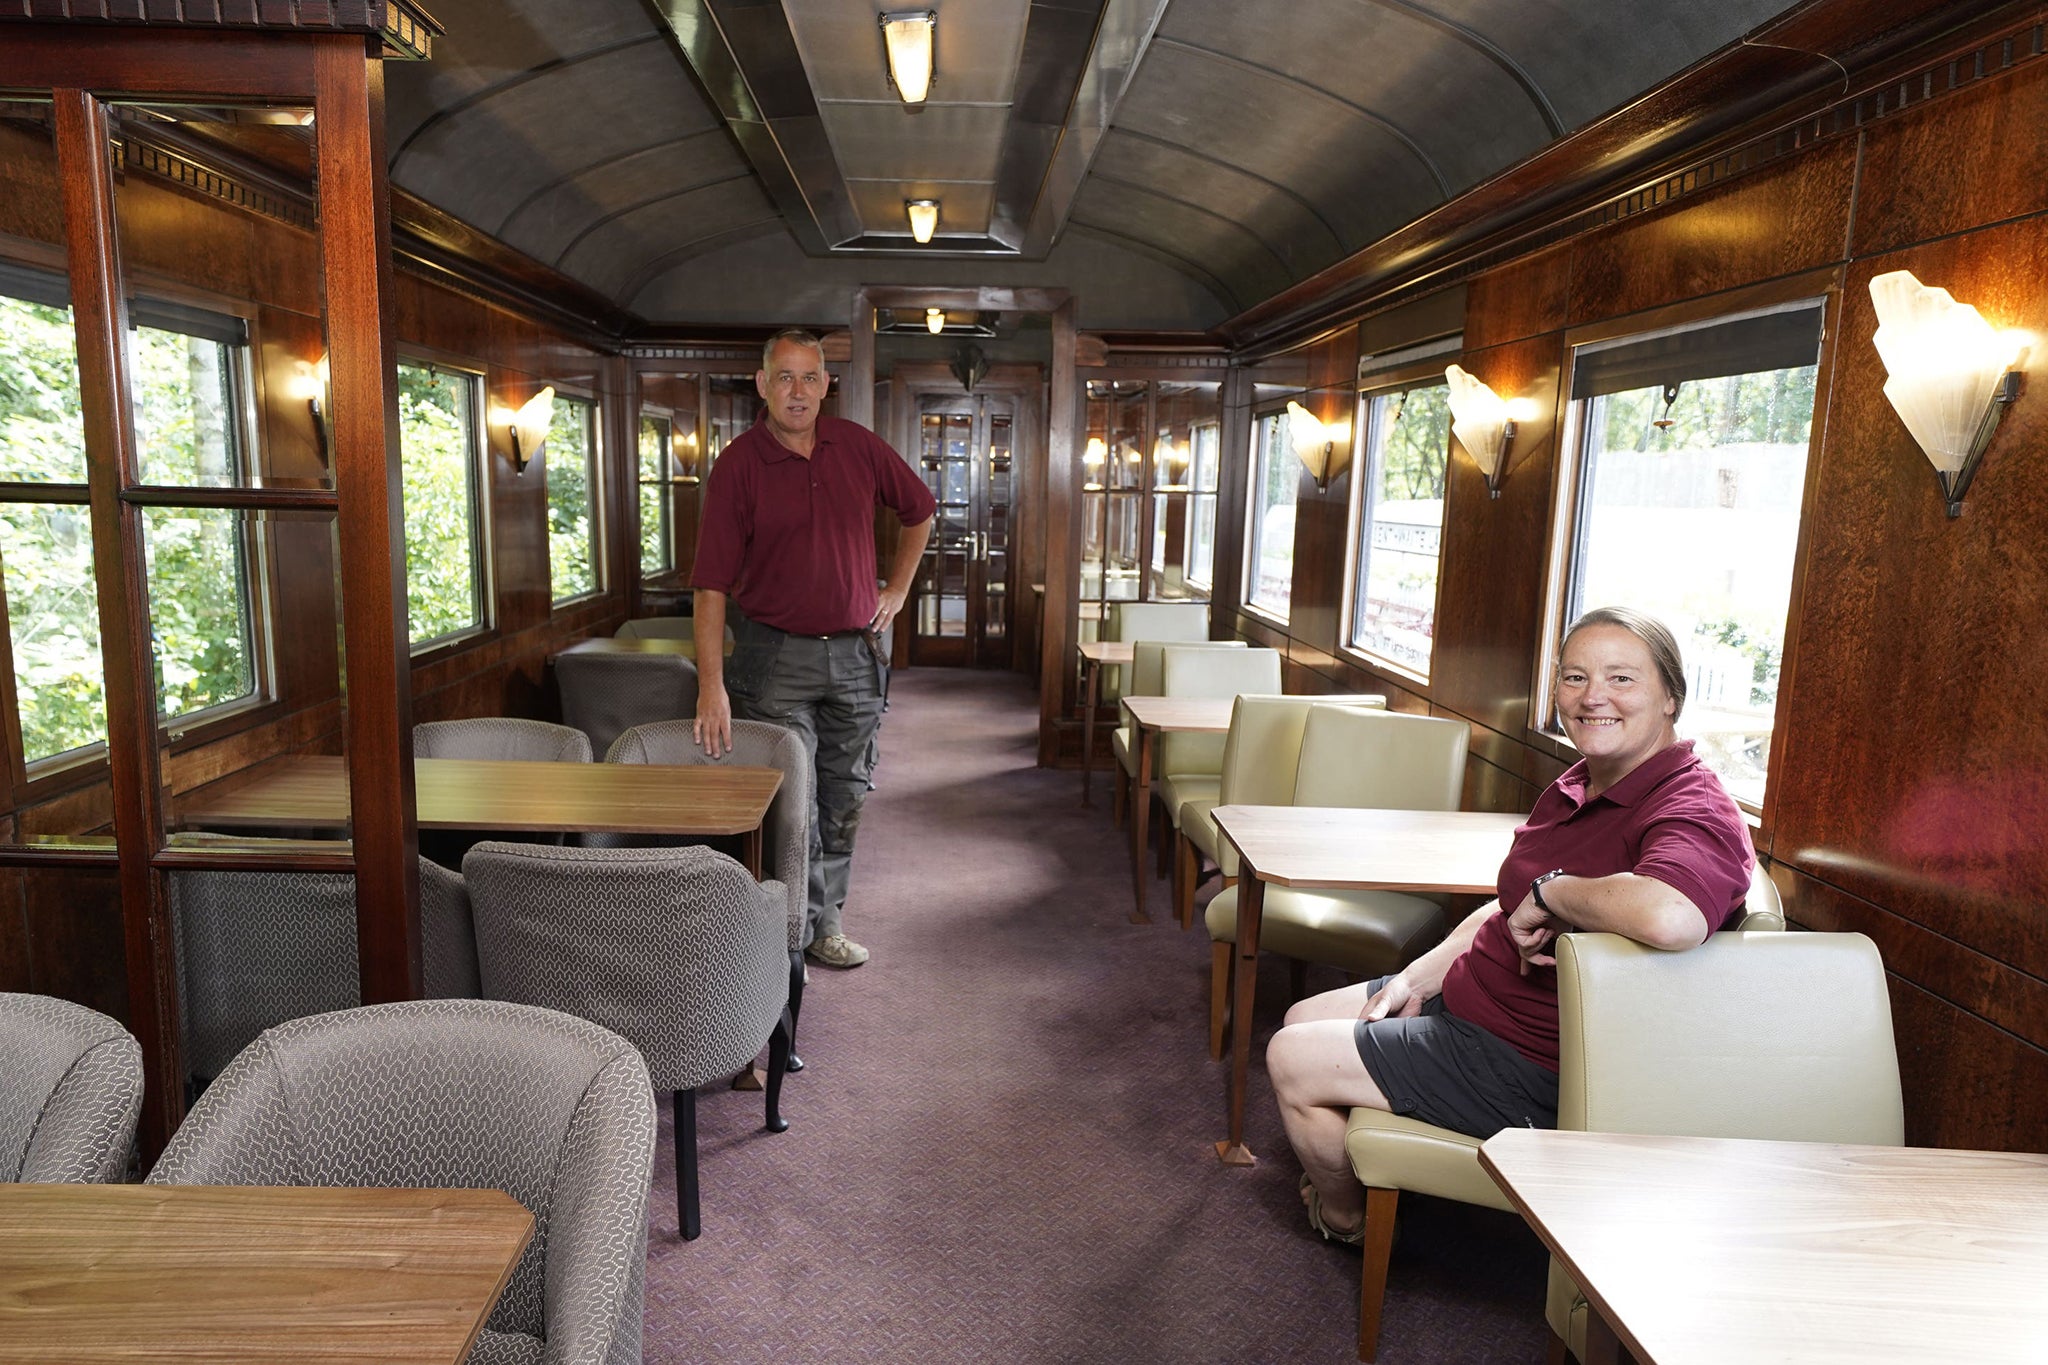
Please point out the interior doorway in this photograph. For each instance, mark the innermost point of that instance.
(961, 604)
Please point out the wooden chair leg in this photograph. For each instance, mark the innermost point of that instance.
(778, 1067)
(1164, 824)
(1372, 1283)
(1222, 957)
(1186, 868)
(687, 1215)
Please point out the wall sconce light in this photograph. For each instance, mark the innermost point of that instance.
(924, 221)
(935, 320)
(1951, 375)
(1315, 445)
(529, 427)
(309, 385)
(686, 455)
(908, 36)
(1483, 423)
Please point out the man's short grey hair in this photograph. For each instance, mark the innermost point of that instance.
(795, 335)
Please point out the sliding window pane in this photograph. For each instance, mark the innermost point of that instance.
(1270, 542)
(53, 627)
(197, 562)
(657, 544)
(1401, 521)
(439, 443)
(571, 460)
(42, 429)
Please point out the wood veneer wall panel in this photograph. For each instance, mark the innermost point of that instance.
(1490, 590)
(75, 936)
(1911, 188)
(1914, 765)
(1522, 299)
(1776, 221)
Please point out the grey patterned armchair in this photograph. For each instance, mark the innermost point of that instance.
(604, 695)
(460, 1094)
(676, 948)
(788, 835)
(257, 948)
(70, 1090)
(500, 738)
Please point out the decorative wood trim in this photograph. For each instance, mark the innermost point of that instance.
(408, 30)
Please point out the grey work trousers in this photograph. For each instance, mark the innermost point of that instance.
(829, 691)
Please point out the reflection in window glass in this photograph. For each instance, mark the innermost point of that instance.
(1401, 521)
(438, 447)
(1269, 541)
(186, 428)
(196, 562)
(572, 482)
(1689, 509)
(657, 553)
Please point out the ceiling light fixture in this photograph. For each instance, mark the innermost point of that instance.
(935, 320)
(908, 37)
(924, 218)
(1949, 374)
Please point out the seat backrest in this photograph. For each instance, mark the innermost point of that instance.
(1197, 672)
(1158, 621)
(678, 949)
(70, 1091)
(1262, 752)
(501, 738)
(1762, 909)
(1148, 663)
(447, 935)
(605, 695)
(1773, 1035)
(1385, 760)
(438, 1094)
(786, 832)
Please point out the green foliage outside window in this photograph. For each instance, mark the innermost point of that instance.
(572, 538)
(437, 445)
(195, 559)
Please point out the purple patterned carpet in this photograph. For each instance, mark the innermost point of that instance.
(1000, 1148)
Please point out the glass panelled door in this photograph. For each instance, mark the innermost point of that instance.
(962, 611)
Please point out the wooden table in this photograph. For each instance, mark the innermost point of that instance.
(311, 792)
(1327, 849)
(1150, 718)
(103, 1273)
(1094, 655)
(1713, 1249)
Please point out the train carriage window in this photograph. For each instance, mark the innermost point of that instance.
(441, 449)
(1269, 542)
(1400, 525)
(1692, 448)
(573, 520)
(1205, 449)
(188, 371)
(657, 494)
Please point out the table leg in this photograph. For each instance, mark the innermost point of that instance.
(1141, 814)
(1603, 1347)
(1094, 672)
(750, 852)
(1251, 908)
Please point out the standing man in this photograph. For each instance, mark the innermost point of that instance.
(789, 537)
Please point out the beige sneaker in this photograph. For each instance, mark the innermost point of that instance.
(837, 951)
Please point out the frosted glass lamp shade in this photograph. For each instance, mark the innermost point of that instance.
(1480, 421)
(1949, 374)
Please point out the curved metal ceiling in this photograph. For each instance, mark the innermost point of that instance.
(639, 146)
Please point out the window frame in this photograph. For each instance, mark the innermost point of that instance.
(482, 518)
(39, 779)
(1373, 385)
(666, 483)
(600, 529)
(1815, 286)
(1261, 415)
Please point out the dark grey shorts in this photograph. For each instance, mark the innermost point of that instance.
(1452, 1073)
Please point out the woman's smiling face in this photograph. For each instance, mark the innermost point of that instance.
(1613, 705)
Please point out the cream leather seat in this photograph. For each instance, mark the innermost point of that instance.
(1171, 622)
(1822, 1065)
(1148, 667)
(1260, 756)
(1390, 1153)
(1358, 758)
(1187, 765)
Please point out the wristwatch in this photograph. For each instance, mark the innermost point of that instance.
(1536, 887)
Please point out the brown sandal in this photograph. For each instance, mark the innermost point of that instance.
(1315, 1217)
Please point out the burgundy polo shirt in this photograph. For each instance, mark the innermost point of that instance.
(1670, 819)
(792, 540)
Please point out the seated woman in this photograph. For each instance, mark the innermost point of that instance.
(1636, 838)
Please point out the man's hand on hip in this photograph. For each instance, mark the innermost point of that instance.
(712, 728)
(886, 610)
